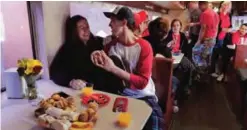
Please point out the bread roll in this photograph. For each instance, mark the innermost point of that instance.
(93, 105)
(83, 117)
(91, 112)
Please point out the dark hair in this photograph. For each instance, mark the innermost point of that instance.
(158, 26)
(244, 24)
(176, 20)
(131, 26)
(221, 4)
(71, 34)
(202, 2)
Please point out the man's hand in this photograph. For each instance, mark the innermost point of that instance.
(77, 84)
(96, 57)
(100, 59)
(191, 24)
(226, 29)
(198, 43)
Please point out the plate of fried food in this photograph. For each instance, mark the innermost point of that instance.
(59, 113)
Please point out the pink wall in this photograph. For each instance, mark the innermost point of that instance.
(17, 42)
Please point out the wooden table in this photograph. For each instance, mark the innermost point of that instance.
(177, 58)
(18, 114)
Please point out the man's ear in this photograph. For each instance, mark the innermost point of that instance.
(125, 22)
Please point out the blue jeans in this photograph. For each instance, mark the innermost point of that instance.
(219, 44)
(175, 83)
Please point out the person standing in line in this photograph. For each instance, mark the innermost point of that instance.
(223, 29)
(202, 50)
(194, 25)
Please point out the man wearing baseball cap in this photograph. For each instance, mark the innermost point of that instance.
(141, 24)
(129, 58)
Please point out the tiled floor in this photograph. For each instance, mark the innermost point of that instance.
(206, 109)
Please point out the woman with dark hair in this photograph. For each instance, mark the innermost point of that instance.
(72, 66)
(177, 42)
(158, 30)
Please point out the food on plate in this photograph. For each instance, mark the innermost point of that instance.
(51, 101)
(58, 101)
(72, 116)
(55, 112)
(56, 97)
(39, 111)
(45, 120)
(93, 105)
(59, 113)
(44, 104)
(88, 115)
(61, 125)
(81, 125)
(94, 118)
(71, 101)
(91, 112)
(99, 98)
(83, 117)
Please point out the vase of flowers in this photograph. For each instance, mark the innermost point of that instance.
(30, 70)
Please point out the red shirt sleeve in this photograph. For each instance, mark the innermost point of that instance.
(235, 38)
(143, 72)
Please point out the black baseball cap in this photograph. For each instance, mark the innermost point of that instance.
(122, 13)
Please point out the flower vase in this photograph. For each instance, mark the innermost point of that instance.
(31, 87)
(24, 86)
(32, 92)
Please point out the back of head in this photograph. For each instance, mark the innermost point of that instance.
(158, 27)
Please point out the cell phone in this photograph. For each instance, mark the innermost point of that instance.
(120, 104)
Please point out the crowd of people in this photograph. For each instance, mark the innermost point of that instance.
(124, 59)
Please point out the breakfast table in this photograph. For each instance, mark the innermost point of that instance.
(18, 114)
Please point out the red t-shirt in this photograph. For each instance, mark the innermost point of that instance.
(236, 38)
(211, 20)
(176, 46)
(225, 23)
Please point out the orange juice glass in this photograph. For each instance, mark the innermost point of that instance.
(124, 119)
(88, 90)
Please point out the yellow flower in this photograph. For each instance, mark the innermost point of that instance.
(31, 66)
(37, 63)
(22, 63)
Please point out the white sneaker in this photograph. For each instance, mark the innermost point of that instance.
(215, 75)
(175, 109)
(220, 77)
(175, 102)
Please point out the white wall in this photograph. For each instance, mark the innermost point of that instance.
(55, 14)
